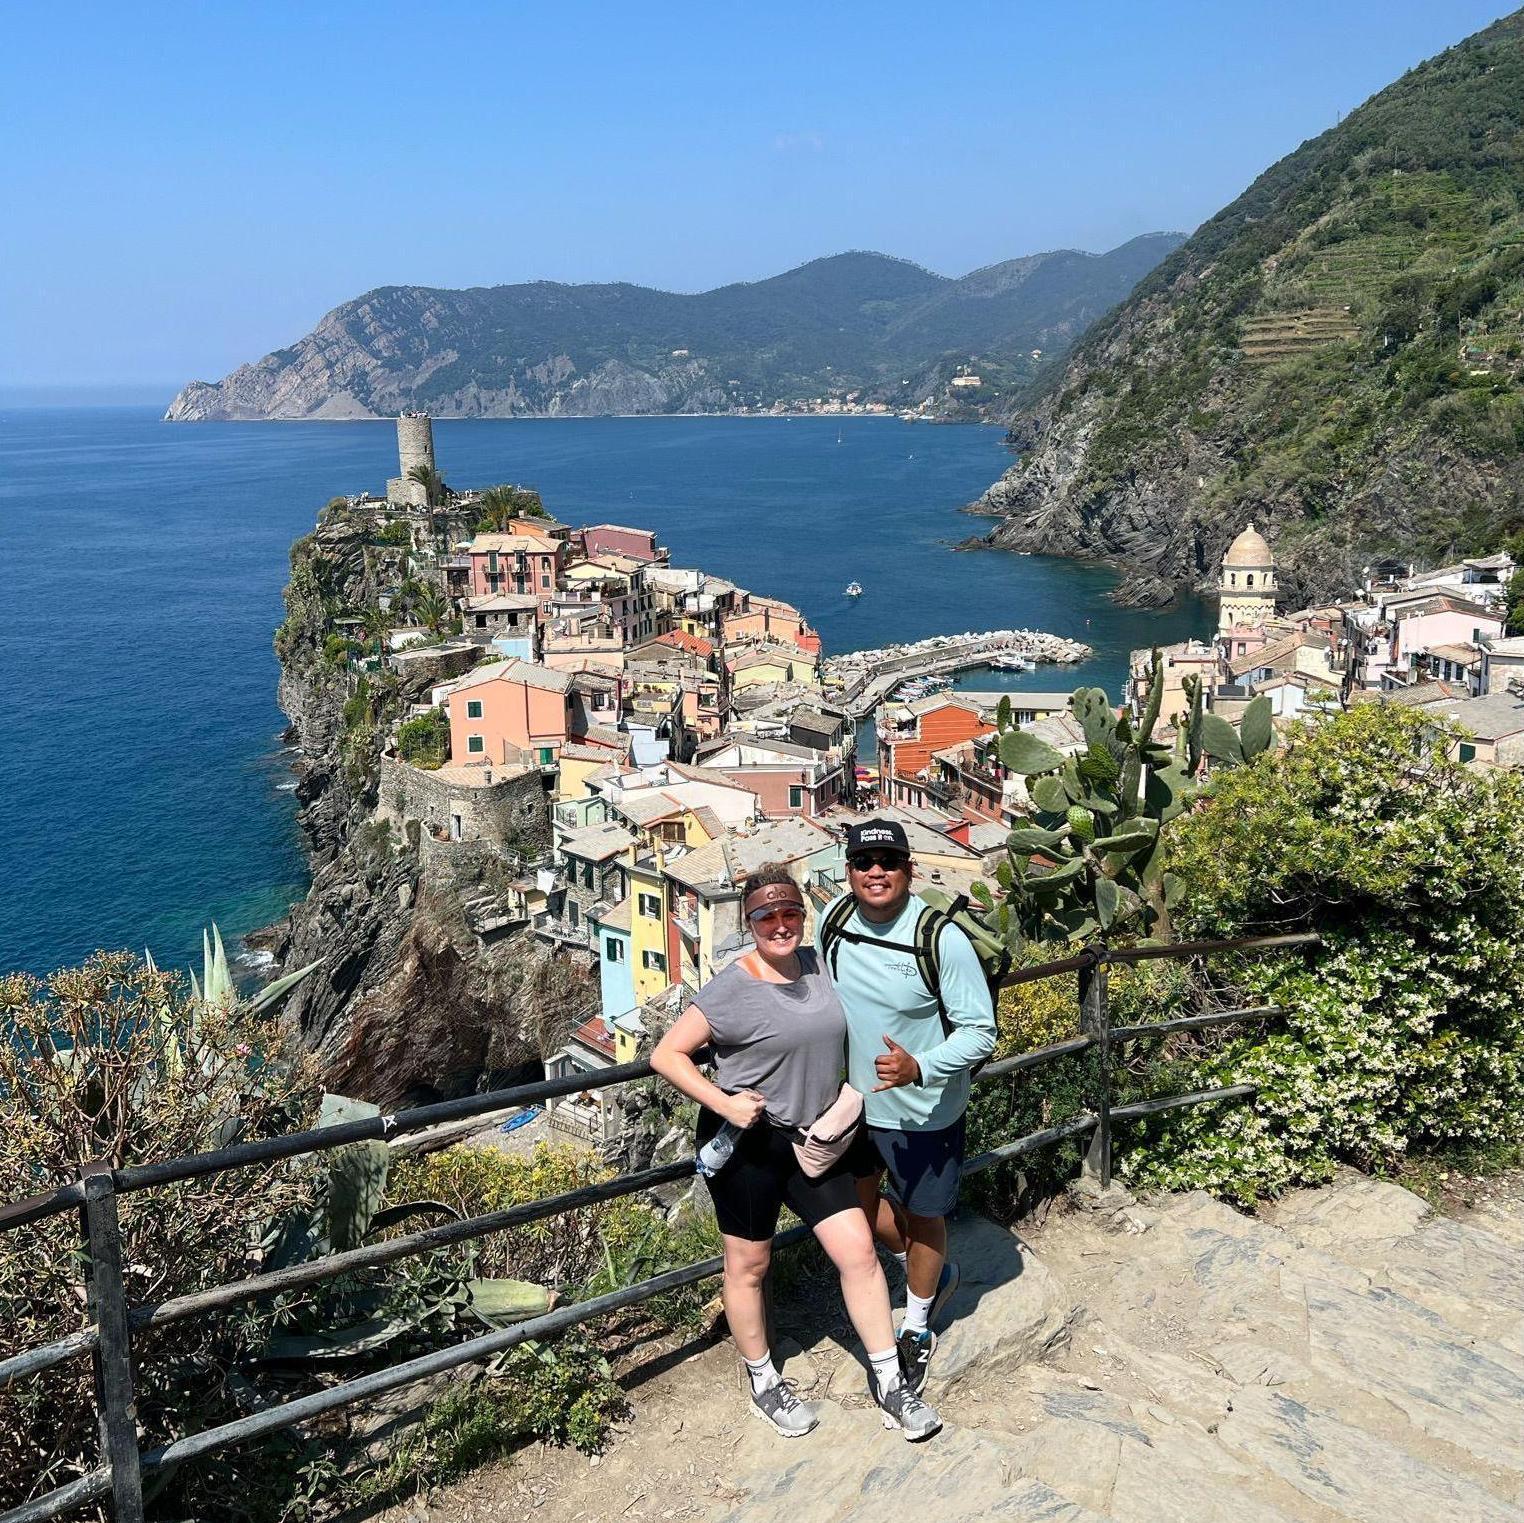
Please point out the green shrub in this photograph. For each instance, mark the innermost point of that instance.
(579, 1254)
(339, 650)
(115, 1059)
(425, 741)
(1405, 1031)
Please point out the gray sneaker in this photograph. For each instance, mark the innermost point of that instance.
(779, 1406)
(901, 1408)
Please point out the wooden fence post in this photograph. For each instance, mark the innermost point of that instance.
(107, 1303)
(1095, 1022)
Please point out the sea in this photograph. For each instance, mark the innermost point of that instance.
(150, 794)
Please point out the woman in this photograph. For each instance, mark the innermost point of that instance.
(778, 1033)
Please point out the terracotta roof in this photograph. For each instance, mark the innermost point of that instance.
(593, 1033)
(501, 602)
(1467, 655)
(573, 751)
(764, 655)
(1276, 650)
(510, 543)
(725, 863)
(682, 640)
(1421, 695)
(608, 737)
(618, 918)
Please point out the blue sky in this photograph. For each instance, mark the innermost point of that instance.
(190, 186)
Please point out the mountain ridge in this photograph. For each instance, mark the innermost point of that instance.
(1335, 354)
(883, 326)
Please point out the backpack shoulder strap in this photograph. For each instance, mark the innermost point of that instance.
(832, 928)
(928, 954)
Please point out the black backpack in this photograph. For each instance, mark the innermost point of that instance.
(937, 910)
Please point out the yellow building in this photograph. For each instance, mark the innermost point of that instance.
(754, 665)
(1246, 584)
(650, 907)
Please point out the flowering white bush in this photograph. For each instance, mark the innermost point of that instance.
(1406, 1028)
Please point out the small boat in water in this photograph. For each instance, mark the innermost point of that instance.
(1010, 661)
(854, 589)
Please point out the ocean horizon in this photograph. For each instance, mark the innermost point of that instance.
(152, 794)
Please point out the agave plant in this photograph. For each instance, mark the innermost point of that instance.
(1090, 862)
(181, 1041)
(431, 1296)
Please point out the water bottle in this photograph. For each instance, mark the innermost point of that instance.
(715, 1153)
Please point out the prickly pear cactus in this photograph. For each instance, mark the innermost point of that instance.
(1090, 863)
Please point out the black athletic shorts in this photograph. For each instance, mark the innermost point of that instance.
(762, 1174)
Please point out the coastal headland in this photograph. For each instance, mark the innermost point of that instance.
(516, 738)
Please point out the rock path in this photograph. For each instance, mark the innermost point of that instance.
(1347, 1355)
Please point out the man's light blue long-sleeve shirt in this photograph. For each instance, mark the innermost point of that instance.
(883, 994)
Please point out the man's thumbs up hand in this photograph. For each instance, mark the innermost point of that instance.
(895, 1067)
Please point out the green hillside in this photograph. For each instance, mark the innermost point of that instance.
(859, 321)
(1337, 353)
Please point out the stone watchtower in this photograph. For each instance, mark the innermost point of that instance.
(415, 446)
(1247, 582)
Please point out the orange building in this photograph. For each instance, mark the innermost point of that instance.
(510, 710)
(909, 733)
(760, 618)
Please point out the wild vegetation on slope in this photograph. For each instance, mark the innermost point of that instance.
(1403, 1033)
(1338, 352)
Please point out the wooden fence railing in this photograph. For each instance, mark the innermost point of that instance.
(111, 1321)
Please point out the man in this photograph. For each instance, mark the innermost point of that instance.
(910, 1053)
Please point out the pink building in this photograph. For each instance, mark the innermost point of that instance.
(510, 710)
(1424, 622)
(526, 564)
(788, 779)
(617, 539)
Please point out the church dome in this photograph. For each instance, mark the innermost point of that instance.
(1251, 548)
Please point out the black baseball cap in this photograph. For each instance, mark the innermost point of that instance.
(877, 835)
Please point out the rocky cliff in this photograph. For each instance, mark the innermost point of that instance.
(409, 1003)
(864, 322)
(1335, 355)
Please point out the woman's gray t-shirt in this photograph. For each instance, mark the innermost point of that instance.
(786, 1041)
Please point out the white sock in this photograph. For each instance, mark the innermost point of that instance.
(886, 1370)
(763, 1373)
(903, 1260)
(917, 1311)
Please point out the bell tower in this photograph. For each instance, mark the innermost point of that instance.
(1246, 583)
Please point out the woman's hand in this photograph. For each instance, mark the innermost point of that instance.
(743, 1109)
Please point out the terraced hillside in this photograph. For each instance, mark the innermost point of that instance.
(1334, 355)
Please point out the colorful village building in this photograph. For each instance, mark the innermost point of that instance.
(910, 733)
(510, 710)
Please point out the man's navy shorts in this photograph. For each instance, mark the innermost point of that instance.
(923, 1166)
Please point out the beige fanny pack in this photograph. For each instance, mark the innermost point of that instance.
(826, 1139)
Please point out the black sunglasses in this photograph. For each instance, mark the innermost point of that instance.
(861, 861)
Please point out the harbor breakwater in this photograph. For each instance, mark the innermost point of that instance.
(859, 681)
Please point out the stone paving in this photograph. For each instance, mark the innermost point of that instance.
(1346, 1355)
